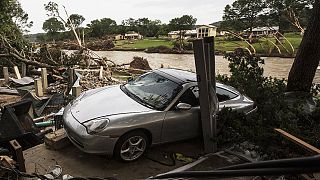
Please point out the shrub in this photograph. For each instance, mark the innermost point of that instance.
(274, 111)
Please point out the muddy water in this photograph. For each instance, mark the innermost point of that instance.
(274, 66)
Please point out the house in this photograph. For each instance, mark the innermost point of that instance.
(262, 31)
(118, 37)
(206, 31)
(174, 34)
(185, 33)
(133, 35)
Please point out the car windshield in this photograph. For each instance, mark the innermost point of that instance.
(152, 90)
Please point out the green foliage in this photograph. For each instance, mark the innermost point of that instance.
(184, 22)
(243, 14)
(274, 111)
(76, 20)
(102, 27)
(53, 25)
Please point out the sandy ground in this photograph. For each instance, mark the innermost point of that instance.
(76, 163)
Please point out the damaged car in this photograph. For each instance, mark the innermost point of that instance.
(157, 107)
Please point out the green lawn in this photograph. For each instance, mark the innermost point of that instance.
(262, 46)
(143, 44)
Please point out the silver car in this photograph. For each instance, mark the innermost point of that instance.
(157, 107)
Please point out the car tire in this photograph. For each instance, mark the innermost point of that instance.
(131, 146)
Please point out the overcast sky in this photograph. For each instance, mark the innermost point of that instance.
(206, 11)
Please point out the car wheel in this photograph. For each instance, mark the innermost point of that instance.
(131, 146)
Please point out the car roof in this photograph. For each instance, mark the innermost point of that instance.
(177, 75)
(182, 76)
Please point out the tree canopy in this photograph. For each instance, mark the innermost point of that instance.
(184, 22)
(53, 25)
(76, 20)
(99, 28)
(247, 14)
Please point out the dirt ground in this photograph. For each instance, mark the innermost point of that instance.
(78, 164)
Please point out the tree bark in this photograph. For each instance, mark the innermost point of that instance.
(308, 56)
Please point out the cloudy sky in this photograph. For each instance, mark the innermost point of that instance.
(206, 11)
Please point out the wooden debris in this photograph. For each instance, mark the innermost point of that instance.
(57, 139)
(101, 72)
(38, 87)
(16, 72)
(6, 74)
(298, 141)
(44, 79)
(76, 91)
(23, 69)
(18, 155)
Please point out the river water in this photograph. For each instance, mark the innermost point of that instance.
(274, 66)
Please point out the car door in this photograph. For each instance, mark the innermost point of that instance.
(182, 124)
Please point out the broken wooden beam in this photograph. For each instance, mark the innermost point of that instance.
(298, 141)
(16, 72)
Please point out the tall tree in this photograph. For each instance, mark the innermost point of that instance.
(13, 19)
(308, 56)
(52, 26)
(182, 24)
(99, 28)
(243, 14)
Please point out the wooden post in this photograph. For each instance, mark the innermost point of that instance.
(16, 72)
(201, 56)
(101, 72)
(38, 87)
(6, 74)
(44, 79)
(71, 77)
(23, 69)
(76, 91)
(19, 155)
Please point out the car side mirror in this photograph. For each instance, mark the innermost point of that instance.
(183, 106)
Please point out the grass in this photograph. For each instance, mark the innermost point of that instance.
(263, 46)
(143, 44)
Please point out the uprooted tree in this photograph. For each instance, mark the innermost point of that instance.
(308, 56)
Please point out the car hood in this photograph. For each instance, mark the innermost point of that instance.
(106, 101)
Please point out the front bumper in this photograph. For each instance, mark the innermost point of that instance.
(77, 133)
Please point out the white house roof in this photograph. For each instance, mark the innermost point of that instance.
(272, 28)
(131, 33)
(207, 26)
(187, 32)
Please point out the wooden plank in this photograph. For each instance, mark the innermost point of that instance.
(19, 155)
(16, 72)
(6, 74)
(298, 141)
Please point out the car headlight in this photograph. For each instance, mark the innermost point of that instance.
(96, 125)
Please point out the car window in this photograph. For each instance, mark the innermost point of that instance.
(224, 95)
(153, 90)
(190, 96)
